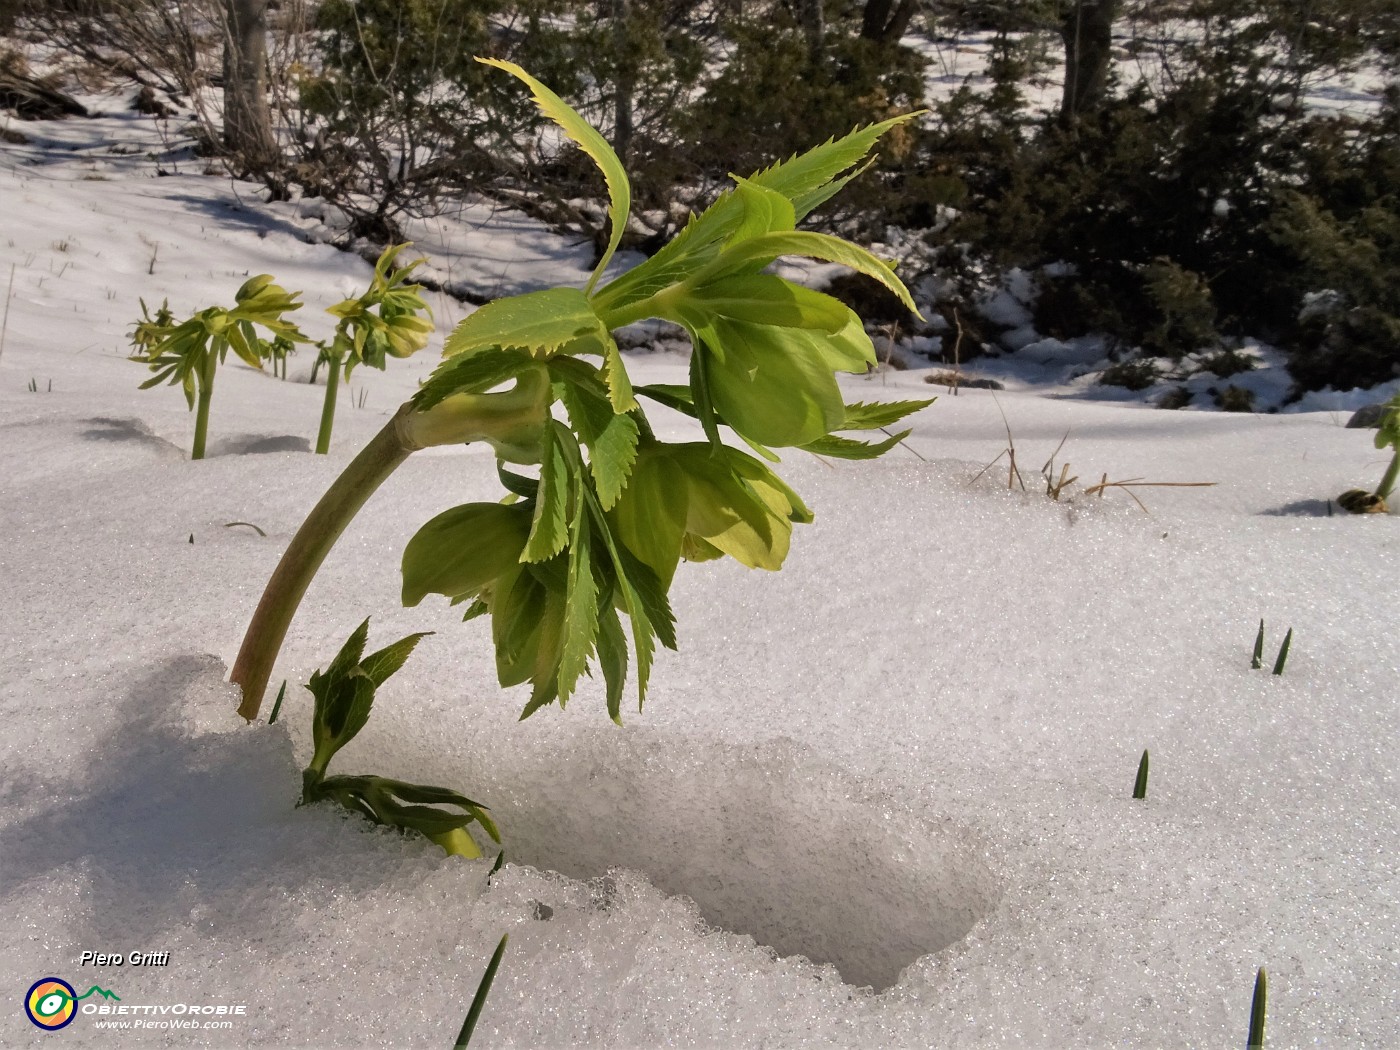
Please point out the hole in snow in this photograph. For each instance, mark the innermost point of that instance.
(766, 839)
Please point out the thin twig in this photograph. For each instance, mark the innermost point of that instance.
(1132, 483)
(1013, 475)
(906, 444)
(957, 352)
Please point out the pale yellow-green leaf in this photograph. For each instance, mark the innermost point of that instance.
(769, 246)
(592, 143)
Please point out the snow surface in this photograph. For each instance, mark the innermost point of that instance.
(879, 799)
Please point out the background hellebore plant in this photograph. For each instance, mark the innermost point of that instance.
(596, 529)
(189, 352)
(381, 323)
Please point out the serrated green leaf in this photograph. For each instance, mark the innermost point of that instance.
(875, 415)
(475, 609)
(651, 596)
(538, 322)
(580, 609)
(612, 657)
(475, 374)
(463, 549)
(545, 692)
(803, 179)
(592, 143)
(764, 210)
(349, 656)
(845, 448)
(549, 527)
(642, 629)
(769, 246)
(701, 391)
(615, 377)
(380, 665)
(611, 440)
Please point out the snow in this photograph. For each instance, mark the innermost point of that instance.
(881, 798)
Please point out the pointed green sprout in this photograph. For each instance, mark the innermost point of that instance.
(1257, 660)
(382, 322)
(188, 353)
(344, 696)
(1283, 652)
(591, 532)
(1257, 1008)
(1140, 784)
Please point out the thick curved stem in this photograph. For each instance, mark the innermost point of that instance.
(309, 547)
(512, 421)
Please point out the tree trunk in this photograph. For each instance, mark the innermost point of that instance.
(885, 22)
(813, 27)
(624, 99)
(247, 118)
(1087, 30)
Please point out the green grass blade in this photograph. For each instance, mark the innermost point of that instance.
(479, 1000)
(1283, 652)
(1256, 1011)
(1258, 660)
(1140, 785)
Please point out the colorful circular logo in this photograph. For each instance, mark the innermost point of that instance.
(51, 1003)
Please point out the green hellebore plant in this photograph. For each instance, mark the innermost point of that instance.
(189, 352)
(381, 323)
(599, 526)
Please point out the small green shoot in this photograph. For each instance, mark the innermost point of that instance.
(479, 1000)
(1256, 1011)
(1258, 659)
(344, 695)
(500, 863)
(277, 704)
(247, 524)
(1283, 652)
(188, 353)
(1140, 785)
